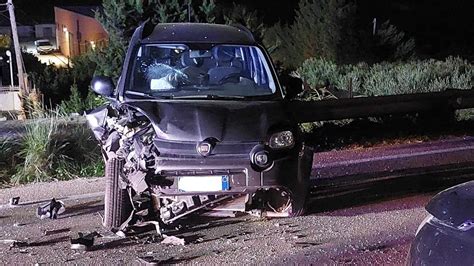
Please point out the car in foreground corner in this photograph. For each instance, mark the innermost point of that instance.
(446, 236)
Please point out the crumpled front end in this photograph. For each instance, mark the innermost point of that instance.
(181, 177)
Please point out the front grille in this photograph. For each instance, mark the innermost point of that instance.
(188, 149)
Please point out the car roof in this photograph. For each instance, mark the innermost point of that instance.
(199, 33)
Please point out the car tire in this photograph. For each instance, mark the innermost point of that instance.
(117, 201)
(300, 188)
(298, 203)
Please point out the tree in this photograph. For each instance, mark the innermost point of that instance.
(321, 29)
(239, 14)
(120, 18)
(5, 41)
(332, 30)
(393, 44)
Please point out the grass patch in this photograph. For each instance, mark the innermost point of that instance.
(8, 149)
(51, 148)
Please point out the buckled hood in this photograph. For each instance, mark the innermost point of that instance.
(239, 121)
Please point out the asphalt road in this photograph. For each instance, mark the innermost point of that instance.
(371, 223)
(355, 229)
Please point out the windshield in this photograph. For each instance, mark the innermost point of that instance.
(188, 71)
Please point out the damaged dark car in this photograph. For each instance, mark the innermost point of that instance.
(446, 236)
(197, 122)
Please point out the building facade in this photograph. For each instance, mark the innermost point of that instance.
(45, 31)
(77, 30)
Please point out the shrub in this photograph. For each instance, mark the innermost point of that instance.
(391, 78)
(40, 151)
(81, 155)
(76, 104)
(52, 148)
(8, 149)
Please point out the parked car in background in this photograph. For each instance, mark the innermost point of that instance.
(44, 46)
(446, 236)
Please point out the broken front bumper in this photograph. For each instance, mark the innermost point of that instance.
(286, 172)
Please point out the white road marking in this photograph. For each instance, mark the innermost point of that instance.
(392, 157)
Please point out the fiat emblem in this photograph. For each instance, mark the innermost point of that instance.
(204, 148)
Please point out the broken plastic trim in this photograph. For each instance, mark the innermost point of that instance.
(51, 210)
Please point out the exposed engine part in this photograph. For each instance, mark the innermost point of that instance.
(273, 202)
(173, 208)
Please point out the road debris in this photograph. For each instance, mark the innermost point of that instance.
(51, 210)
(83, 242)
(57, 231)
(121, 234)
(172, 240)
(14, 201)
(18, 224)
(220, 214)
(14, 243)
(146, 261)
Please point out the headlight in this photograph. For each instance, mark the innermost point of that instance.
(282, 140)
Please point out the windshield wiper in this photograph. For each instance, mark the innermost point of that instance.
(210, 96)
(147, 95)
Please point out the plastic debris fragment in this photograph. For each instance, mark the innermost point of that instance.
(172, 240)
(51, 210)
(83, 242)
(14, 201)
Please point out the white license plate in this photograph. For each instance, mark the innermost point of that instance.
(203, 183)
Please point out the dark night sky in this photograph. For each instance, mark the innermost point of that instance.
(440, 27)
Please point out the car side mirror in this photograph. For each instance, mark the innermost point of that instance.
(103, 86)
(293, 86)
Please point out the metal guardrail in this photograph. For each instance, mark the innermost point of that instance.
(436, 102)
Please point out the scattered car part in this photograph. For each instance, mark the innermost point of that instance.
(82, 242)
(51, 210)
(446, 236)
(57, 231)
(18, 224)
(148, 261)
(14, 243)
(173, 240)
(14, 201)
